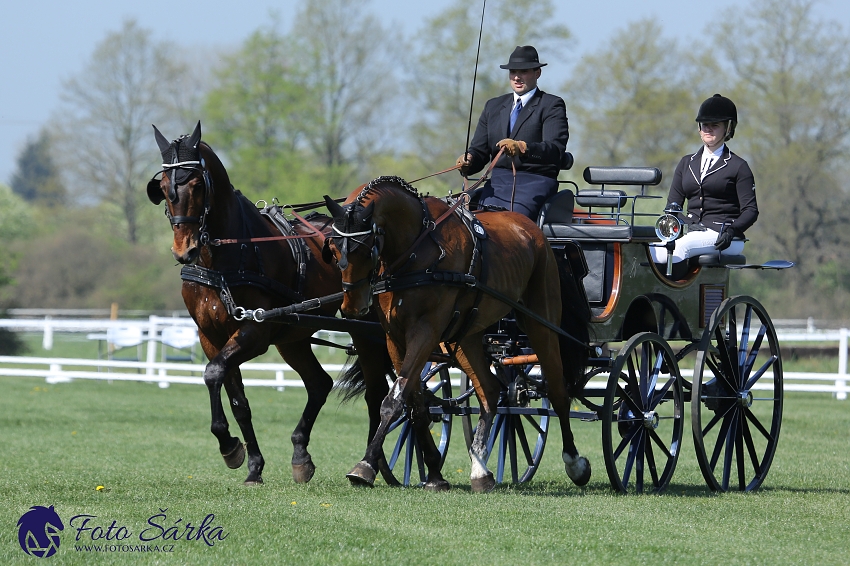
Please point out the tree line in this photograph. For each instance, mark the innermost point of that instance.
(340, 98)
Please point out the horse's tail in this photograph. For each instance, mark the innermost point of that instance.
(351, 382)
(575, 321)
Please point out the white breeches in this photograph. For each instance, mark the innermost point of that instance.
(693, 244)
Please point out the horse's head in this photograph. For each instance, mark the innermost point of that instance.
(186, 188)
(355, 245)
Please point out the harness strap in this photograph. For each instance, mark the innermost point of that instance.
(221, 280)
(428, 229)
(457, 279)
(462, 198)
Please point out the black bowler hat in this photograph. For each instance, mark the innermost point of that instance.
(523, 57)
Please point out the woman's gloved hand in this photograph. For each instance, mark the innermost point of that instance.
(724, 240)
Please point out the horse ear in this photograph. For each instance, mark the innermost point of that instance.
(334, 208)
(154, 191)
(195, 138)
(161, 141)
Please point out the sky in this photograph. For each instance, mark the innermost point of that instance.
(44, 42)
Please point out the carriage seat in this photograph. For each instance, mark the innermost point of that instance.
(622, 175)
(558, 222)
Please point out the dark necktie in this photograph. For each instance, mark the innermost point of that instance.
(514, 113)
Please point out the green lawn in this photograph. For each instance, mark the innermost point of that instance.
(151, 450)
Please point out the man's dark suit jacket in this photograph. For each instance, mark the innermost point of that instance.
(542, 125)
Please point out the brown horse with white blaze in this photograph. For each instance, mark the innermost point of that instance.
(203, 208)
(387, 233)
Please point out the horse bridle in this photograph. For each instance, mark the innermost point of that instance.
(359, 238)
(171, 168)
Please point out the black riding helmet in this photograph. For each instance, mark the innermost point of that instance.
(719, 109)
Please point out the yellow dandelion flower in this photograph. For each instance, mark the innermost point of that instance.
(190, 477)
(100, 488)
(293, 503)
(460, 471)
(326, 505)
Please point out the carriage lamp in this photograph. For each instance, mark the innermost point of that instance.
(668, 227)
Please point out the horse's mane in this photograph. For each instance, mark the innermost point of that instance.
(214, 163)
(371, 186)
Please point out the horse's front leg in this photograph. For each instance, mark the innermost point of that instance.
(242, 412)
(223, 370)
(299, 355)
(375, 365)
(405, 390)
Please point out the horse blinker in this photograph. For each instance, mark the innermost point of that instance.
(155, 191)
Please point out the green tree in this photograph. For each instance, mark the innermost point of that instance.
(353, 84)
(129, 83)
(36, 177)
(633, 102)
(792, 73)
(443, 66)
(254, 116)
(16, 223)
(306, 112)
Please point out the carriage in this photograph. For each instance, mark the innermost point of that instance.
(645, 326)
(642, 328)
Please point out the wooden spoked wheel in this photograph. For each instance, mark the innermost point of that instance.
(642, 417)
(406, 462)
(736, 406)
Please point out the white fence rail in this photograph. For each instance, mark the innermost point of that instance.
(150, 370)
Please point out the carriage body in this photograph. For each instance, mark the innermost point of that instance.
(645, 325)
(626, 292)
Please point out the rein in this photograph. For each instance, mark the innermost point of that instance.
(314, 233)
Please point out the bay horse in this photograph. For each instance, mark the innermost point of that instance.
(386, 234)
(203, 209)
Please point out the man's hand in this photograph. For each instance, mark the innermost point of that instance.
(512, 147)
(724, 240)
(463, 163)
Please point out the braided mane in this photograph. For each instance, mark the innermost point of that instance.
(370, 187)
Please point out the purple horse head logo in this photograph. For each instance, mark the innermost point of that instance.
(38, 531)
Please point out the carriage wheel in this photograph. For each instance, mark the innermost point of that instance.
(406, 460)
(736, 406)
(642, 418)
(519, 430)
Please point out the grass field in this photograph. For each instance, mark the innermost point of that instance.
(151, 450)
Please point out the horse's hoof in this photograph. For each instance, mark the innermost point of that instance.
(236, 457)
(362, 475)
(437, 485)
(483, 484)
(302, 473)
(253, 482)
(578, 470)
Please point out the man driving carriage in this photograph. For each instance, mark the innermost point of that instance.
(531, 126)
(720, 190)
